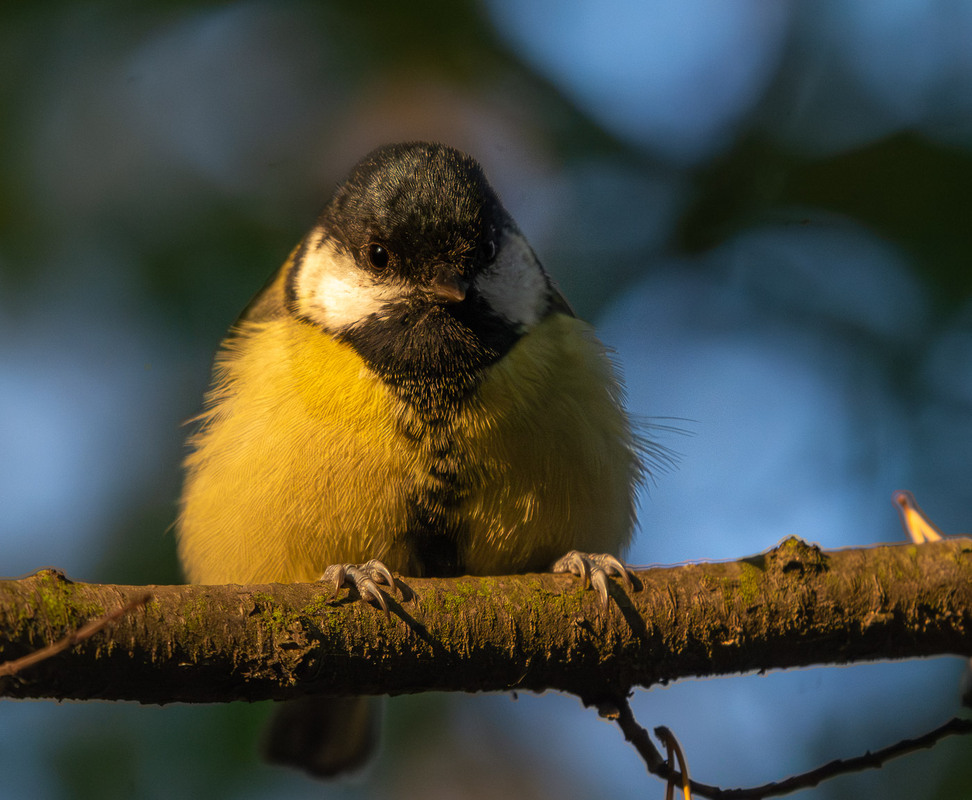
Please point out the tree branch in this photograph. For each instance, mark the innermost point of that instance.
(639, 739)
(792, 606)
(73, 638)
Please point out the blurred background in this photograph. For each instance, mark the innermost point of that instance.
(764, 206)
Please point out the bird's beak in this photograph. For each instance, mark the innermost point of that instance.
(447, 286)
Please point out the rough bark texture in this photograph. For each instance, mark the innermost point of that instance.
(792, 606)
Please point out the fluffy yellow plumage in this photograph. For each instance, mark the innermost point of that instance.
(412, 388)
(301, 461)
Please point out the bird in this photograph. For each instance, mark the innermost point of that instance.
(409, 393)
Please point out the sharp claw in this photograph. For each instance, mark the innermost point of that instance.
(585, 567)
(575, 563)
(599, 582)
(336, 574)
(370, 592)
(363, 578)
(616, 567)
(383, 574)
(594, 569)
(578, 566)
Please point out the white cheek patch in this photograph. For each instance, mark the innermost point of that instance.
(334, 291)
(515, 285)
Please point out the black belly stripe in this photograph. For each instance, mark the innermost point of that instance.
(435, 533)
(435, 543)
(433, 358)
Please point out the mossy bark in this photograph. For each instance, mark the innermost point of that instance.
(792, 606)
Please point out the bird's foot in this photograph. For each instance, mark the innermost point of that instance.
(362, 578)
(595, 567)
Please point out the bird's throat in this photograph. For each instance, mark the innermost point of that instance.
(431, 357)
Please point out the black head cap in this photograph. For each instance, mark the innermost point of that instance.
(424, 202)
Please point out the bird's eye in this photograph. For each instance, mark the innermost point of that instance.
(489, 249)
(378, 256)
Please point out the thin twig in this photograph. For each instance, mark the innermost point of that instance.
(675, 752)
(75, 637)
(638, 737)
(868, 760)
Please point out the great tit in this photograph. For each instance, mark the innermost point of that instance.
(409, 392)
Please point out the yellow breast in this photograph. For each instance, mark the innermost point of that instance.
(301, 460)
(548, 436)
